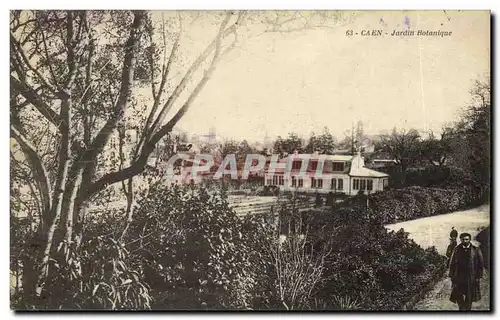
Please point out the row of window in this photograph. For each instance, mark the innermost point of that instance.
(362, 184)
(313, 165)
(300, 182)
(335, 184)
(278, 181)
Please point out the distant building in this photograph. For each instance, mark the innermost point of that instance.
(348, 176)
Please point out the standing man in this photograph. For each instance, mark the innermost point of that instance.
(466, 269)
(452, 245)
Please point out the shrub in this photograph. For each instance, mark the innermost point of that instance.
(395, 205)
(372, 268)
(193, 249)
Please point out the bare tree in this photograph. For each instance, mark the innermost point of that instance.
(298, 268)
(437, 151)
(403, 146)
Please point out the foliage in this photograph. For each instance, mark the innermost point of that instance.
(409, 203)
(475, 129)
(288, 271)
(191, 247)
(437, 151)
(100, 274)
(484, 237)
(426, 176)
(323, 143)
(403, 146)
(288, 145)
(463, 146)
(368, 267)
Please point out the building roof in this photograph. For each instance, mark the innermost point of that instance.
(365, 172)
(330, 157)
(338, 157)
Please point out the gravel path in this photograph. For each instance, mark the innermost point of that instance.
(434, 231)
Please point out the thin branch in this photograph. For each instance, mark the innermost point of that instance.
(156, 104)
(30, 95)
(19, 50)
(139, 165)
(194, 67)
(51, 70)
(39, 170)
(125, 89)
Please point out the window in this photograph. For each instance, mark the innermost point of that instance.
(337, 166)
(269, 181)
(340, 184)
(278, 180)
(296, 164)
(355, 184)
(316, 183)
(334, 184)
(301, 182)
(314, 164)
(362, 184)
(369, 185)
(386, 182)
(294, 182)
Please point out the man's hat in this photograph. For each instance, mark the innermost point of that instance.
(453, 233)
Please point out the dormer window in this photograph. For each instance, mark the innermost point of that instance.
(338, 166)
(296, 164)
(314, 164)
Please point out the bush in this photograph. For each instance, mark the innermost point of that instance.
(395, 205)
(427, 176)
(194, 251)
(370, 267)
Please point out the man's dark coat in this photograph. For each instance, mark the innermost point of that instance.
(471, 279)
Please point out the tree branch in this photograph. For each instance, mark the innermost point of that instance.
(126, 86)
(39, 170)
(194, 66)
(19, 50)
(30, 95)
(139, 165)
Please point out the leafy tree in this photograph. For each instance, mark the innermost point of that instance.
(288, 145)
(74, 88)
(438, 151)
(354, 138)
(476, 126)
(192, 248)
(324, 143)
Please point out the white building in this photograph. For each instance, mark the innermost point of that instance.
(346, 174)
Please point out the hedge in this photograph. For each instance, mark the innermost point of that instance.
(376, 269)
(427, 176)
(396, 205)
(382, 270)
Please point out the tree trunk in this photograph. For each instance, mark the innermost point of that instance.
(404, 166)
(70, 209)
(64, 161)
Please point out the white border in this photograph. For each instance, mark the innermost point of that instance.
(191, 4)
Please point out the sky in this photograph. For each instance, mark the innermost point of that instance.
(302, 81)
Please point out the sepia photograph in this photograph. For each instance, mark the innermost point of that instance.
(250, 160)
